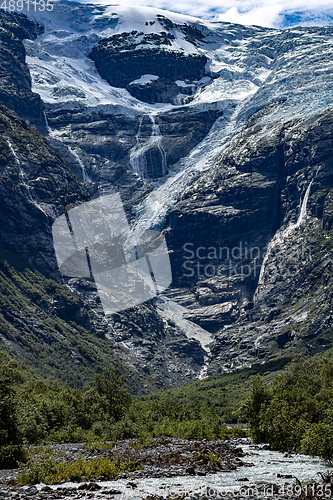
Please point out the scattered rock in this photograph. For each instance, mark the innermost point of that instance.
(76, 479)
(190, 470)
(32, 490)
(83, 486)
(94, 487)
(131, 485)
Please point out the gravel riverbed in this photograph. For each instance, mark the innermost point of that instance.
(171, 470)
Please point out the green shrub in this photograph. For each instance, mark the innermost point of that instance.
(111, 385)
(11, 451)
(12, 455)
(208, 458)
(226, 432)
(49, 470)
(318, 440)
(254, 406)
(71, 434)
(100, 445)
(294, 412)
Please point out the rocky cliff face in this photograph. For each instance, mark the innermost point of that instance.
(36, 187)
(120, 63)
(218, 135)
(114, 147)
(260, 220)
(38, 314)
(15, 91)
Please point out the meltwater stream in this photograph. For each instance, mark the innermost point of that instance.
(280, 235)
(22, 178)
(72, 151)
(263, 469)
(138, 159)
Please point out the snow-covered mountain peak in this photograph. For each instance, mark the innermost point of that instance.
(59, 61)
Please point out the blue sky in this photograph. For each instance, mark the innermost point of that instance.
(270, 13)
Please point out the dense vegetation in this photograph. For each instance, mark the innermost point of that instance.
(291, 408)
(38, 411)
(220, 394)
(47, 467)
(294, 410)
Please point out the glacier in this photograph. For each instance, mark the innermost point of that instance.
(284, 72)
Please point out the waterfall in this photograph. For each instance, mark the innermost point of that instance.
(156, 139)
(137, 137)
(80, 162)
(302, 213)
(22, 179)
(138, 160)
(280, 235)
(48, 128)
(74, 153)
(21, 173)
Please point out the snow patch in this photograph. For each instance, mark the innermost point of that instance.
(174, 312)
(144, 79)
(180, 83)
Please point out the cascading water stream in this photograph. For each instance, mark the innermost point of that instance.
(280, 235)
(137, 154)
(22, 179)
(137, 137)
(72, 151)
(138, 160)
(80, 162)
(48, 128)
(156, 139)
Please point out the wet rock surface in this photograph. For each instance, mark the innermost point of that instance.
(35, 186)
(104, 142)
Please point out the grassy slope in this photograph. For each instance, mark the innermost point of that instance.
(58, 347)
(32, 332)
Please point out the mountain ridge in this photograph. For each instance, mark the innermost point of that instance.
(213, 156)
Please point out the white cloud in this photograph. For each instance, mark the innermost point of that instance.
(264, 15)
(272, 14)
(269, 13)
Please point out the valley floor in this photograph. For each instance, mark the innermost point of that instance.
(175, 469)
